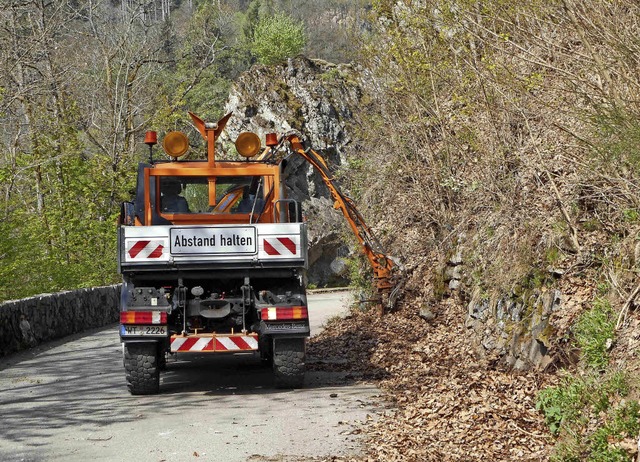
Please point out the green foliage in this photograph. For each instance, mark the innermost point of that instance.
(251, 19)
(536, 278)
(566, 453)
(562, 403)
(277, 38)
(594, 331)
(588, 411)
(65, 245)
(359, 272)
(631, 215)
(573, 407)
(331, 75)
(622, 422)
(553, 255)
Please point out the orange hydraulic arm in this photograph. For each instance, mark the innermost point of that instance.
(382, 264)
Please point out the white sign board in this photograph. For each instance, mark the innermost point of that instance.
(238, 240)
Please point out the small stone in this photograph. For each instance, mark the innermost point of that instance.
(488, 343)
(456, 259)
(556, 272)
(427, 314)
(520, 365)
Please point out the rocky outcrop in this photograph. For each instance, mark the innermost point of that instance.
(512, 328)
(28, 322)
(316, 99)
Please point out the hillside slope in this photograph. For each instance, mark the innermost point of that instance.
(500, 155)
(494, 150)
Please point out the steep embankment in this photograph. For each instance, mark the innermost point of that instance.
(505, 150)
(502, 169)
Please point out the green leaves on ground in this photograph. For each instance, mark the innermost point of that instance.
(592, 418)
(589, 411)
(594, 333)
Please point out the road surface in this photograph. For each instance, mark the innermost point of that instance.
(67, 401)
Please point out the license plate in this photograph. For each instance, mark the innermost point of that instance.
(146, 331)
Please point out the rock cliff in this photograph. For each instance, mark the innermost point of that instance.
(317, 99)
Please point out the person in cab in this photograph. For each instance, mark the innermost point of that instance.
(171, 200)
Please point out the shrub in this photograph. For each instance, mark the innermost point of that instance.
(277, 38)
(562, 403)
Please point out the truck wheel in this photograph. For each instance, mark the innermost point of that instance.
(288, 362)
(141, 368)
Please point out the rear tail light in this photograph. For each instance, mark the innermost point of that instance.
(277, 313)
(143, 317)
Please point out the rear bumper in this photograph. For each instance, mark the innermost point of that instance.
(213, 343)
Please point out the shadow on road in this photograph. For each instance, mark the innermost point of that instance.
(247, 374)
(82, 384)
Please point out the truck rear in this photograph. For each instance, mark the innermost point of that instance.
(213, 259)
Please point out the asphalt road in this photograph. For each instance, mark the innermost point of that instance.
(67, 401)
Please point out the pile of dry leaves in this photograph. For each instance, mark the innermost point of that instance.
(446, 403)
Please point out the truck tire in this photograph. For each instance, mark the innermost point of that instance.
(141, 368)
(288, 362)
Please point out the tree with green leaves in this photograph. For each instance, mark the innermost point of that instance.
(277, 38)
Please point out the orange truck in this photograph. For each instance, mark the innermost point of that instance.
(213, 257)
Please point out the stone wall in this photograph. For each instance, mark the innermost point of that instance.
(509, 328)
(514, 329)
(28, 322)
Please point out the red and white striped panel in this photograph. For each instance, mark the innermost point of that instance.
(147, 249)
(285, 246)
(214, 344)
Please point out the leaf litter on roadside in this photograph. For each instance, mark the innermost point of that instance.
(446, 403)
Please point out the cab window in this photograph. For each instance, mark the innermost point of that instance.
(238, 194)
